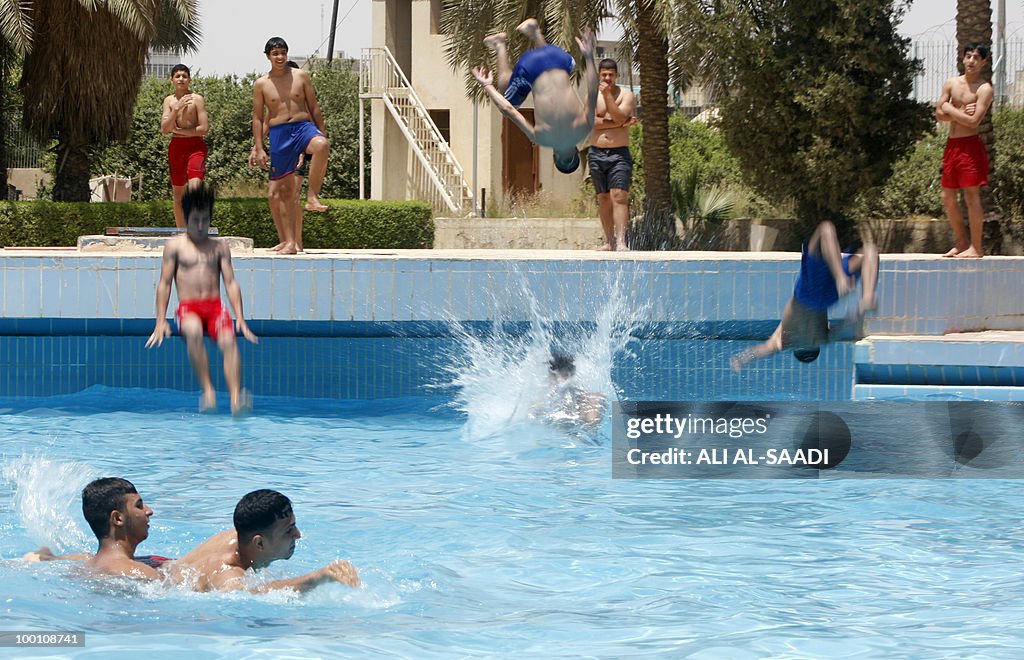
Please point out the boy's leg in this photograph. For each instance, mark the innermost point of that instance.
(228, 346)
(976, 219)
(192, 331)
(298, 210)
(956, 220)
(179, 214)
(280, 196)
(825, 243)
(866, 262)
(499, 44)
(318, 147)
(531, 29)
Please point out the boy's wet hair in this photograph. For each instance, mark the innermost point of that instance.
(807, 354)
(561, 362)
(608, 63)
(180, 67)
(981, 49)
(102, 496)
(274, 42)
(568, 166)
(199, 197)
(257, 511)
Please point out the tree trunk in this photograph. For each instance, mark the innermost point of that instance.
(71, 180)
(974, 25)
(656, 229)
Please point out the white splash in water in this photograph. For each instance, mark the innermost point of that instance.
(45, 495)
(503, 378)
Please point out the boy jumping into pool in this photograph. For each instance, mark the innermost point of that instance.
(285, 99)
(196, 264)
(559, 121)
(826, 275)
(184, 117)
(264, 532)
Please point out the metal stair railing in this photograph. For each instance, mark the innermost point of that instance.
(381, 77)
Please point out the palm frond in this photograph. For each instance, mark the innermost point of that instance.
(177, 26)
(16, 25)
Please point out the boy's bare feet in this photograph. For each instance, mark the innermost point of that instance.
(953, 251)
(622, 247)
(969, 253)
(277, 248)
(241, 403)
(208, 402)
(495, 39)
(314, 204)
(288, 248)
(606, 247)
(529, 27)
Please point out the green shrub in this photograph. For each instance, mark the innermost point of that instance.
(347, 224)
(913, 188)
(1008, 168)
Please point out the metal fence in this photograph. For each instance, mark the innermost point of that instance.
(22, 149)
(940, 59)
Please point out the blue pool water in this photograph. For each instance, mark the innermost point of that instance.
(479, 538)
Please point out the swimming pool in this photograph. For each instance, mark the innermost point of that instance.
(494, 543)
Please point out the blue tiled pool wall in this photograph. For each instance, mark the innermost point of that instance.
(343, 303)
(382, 367)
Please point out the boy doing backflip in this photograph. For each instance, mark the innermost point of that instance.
(560, 121)
(826, 275)
(196, 264)
(184, 117)
(285, 100)
(964, 102)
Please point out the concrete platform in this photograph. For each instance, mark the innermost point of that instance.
(149, 244)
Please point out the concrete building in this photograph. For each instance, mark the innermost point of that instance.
(417, 74)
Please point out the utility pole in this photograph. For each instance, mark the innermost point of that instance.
(334, 28)
(1001, 49)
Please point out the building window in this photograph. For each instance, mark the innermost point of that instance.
(443, 120)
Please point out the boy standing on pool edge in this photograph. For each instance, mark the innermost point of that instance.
(284, 97)
(196, 263)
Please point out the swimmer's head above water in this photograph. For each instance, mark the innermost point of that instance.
(265, 524)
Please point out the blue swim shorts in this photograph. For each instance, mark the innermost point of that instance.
(288, 142)
(815, 287)
(530, 65)
(610, 167)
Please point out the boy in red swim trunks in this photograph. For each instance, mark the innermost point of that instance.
(964, 102)
(196, 263)
(184, 117)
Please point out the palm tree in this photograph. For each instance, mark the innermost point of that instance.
(83, 72)
(647, 24)
(15, 38)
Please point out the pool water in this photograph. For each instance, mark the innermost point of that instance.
(494, 542)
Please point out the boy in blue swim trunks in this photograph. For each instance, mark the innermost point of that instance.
(560, 120)
(285, 102)
(826, 275)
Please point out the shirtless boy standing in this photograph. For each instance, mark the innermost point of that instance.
(964, 102)
(264, 532)
(560, 121)
(285, 100)
(196, 263)
(184, 117)
(611, 164)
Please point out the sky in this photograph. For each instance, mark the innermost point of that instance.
(234, 31)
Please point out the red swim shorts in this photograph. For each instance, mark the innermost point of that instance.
(965, 163)
(211, 312)
(187, 156)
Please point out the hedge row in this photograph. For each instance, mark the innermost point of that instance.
(347, 224)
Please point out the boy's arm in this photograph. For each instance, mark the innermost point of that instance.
(484, 77)
(773, 345)
(234, 292)
(947, 91)
(586, 44)
(167, 116)
(312, 103)
(337, 571)
(202, 126)
(259, 154)
(981, 106)
(168, 269)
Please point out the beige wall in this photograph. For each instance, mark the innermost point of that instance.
(440, 88)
